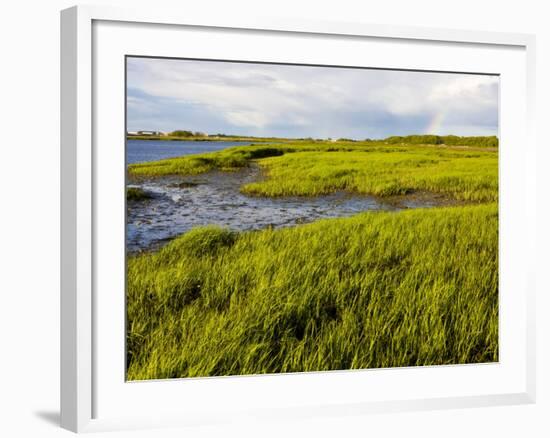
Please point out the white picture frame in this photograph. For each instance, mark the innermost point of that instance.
(86, 353)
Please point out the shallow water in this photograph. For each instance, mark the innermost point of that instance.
(181, 203)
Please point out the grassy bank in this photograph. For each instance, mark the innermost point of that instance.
(417, 287)
(308, 168)
(136, 194)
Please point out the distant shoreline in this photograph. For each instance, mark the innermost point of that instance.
(435, 140)
(174, 138)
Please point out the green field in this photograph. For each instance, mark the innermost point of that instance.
(380, 289)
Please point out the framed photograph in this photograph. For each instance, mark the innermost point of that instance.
(282, 219)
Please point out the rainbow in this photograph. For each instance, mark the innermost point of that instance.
(435, 123)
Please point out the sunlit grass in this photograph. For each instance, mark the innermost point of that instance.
(318, 168)
(416, 287)
(462, 175)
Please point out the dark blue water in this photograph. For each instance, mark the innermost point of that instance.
(140, 151)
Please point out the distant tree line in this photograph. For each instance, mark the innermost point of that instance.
(227, 135)
(449, 140)
(184, 133)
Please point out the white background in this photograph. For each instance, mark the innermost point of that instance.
(29, 219)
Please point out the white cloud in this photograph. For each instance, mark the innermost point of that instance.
(260, 96)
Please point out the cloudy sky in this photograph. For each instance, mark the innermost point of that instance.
(300, 101)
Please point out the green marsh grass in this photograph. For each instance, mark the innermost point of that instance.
(309, 169)
(464, 176)
(380, 289)
(136, 194)
(393, 289)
